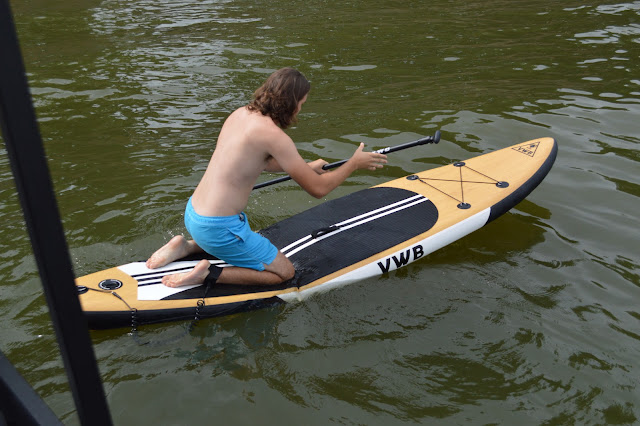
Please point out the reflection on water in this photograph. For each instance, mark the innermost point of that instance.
(533, 318)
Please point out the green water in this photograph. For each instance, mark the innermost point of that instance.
(533, 319)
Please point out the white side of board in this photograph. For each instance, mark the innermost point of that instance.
(399, 258)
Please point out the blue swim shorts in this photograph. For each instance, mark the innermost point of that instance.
(230, 238)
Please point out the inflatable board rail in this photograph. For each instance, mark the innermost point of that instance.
(363, 234)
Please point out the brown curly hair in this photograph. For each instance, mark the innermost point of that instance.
(278, 97)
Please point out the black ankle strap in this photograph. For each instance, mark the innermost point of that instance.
(214, 274)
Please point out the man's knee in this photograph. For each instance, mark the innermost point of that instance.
(290, 272)
(282, 267)
(286, 270)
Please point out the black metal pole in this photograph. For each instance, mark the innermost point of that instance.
(35, 189)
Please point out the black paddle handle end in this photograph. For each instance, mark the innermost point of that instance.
(430, 139)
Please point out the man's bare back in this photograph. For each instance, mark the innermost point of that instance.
(240, 156)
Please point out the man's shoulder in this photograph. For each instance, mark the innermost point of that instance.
(257, 129)
(263, 128)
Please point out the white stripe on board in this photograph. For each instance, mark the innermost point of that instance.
(390, 206)
(362, 222)
(372, 212)
(160, 291)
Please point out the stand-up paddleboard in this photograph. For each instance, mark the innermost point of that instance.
(363, 234)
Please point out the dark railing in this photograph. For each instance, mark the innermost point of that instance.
(35, 189)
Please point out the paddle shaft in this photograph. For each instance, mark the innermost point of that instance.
(429, 139)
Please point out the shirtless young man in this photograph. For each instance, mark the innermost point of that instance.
(252, 140)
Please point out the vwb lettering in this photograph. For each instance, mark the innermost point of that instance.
(403, 258)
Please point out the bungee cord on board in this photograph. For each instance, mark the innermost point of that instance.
(460, 164)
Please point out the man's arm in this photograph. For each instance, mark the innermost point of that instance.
(316, 165)
(317, 185)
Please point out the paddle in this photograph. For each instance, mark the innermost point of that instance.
(429, 139)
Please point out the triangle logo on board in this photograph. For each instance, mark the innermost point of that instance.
(528, 148)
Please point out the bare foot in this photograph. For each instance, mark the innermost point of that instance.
(175, 249)
(195, 276)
